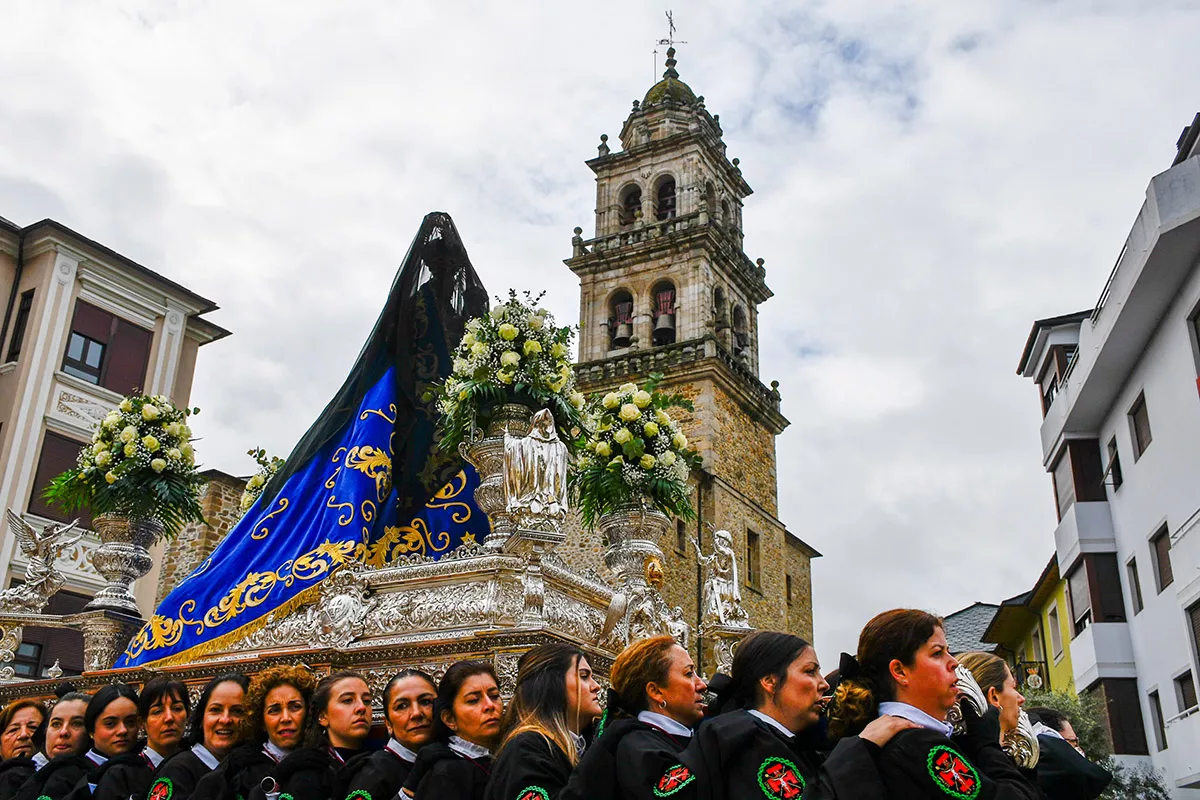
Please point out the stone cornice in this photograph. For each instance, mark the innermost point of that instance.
(671, 146)
(695, 359)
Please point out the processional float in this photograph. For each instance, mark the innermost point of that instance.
(374, 550)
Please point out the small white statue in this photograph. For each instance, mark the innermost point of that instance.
(42, 578)
(535, 474)
(722, 595)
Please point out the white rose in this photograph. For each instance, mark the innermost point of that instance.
(129, 434)
(158, 465)
(641, 399)
(534, 322)
(126, 405)
(667, 459)
(611, 400)
(627, 388)
(629, 412)
(149, 412)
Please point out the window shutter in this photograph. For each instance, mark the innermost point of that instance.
(128, 356)
(1162, 559)
(59, 454)
(1108, 588)
(92, 322)
(1081, 600)
(1125, 716)
(1194, 618)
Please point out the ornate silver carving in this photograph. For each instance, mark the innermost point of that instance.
(573, 617)
(122, 557)
(535, 476)
(105, 637)
(635, 560)
(435, 608)
(334, 621)
(485, 452)
(722, 595)
(42, 578)
(968, 692)
(1021, 744)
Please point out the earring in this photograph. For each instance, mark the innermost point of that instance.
(662, 704)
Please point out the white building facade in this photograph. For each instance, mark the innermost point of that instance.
(82, 327)
(1121, 438)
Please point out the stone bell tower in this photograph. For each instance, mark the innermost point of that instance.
(665, 287)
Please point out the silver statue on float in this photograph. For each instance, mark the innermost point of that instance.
(723, 621)
(42, 578)
(535, 475)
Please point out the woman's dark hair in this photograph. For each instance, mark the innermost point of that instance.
(399, 676)
(893, 635)
(540, 701)
(195, 726)
(69, 697)
(1050, 717)
(299, 678)
(10, 711)
(760, 655)
(160, 688)
(642, 663)
(101, 699)
(448, 689)
(315, 735)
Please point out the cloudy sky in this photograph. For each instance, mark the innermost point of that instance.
(929, 178)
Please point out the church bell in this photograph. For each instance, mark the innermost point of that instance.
(664, 329)
(624, 335)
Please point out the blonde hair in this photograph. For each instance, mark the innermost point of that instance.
(990, 671)
(539, 703)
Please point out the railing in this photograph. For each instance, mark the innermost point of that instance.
(1108, 285)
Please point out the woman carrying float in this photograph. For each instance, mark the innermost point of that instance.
(213, 731)
(408, 702)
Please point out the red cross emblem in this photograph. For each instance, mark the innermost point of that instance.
(532, 793)
(954, 776)
(779, 778)
(673, 780)
(161, 790)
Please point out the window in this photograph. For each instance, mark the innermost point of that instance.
(59, 454)
(741, 330)
(1194, 619)
(680, 536)
(19, 325)
(106, 350)
(1139, 423)
(1135, 586)
(663, 298)
(1039, 653)
(1156, 719)
(1055, 631)
(1124, 709)
(1080, 596)
(1064, 484)
(1114, 464)
(1049, 390)
(752, 559)
(1185, 691)
(1160, 548)
(28, 661)
(787, 581)
(620, 321)
(1108, 603)
(664, 208)
(631, 205)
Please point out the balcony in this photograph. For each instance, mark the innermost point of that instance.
(1085, 528)
(1102, 650)
(1183, 749)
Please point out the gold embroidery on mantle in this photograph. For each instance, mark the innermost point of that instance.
(262, 532)
(416, 537)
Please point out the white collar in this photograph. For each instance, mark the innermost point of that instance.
(401, 750)
(206, 756)
(914, 714)
(40, 760)
(274, 751)
(580, 743)
(663, 722)
(1041, 729)
(153, 755)
(468, 749)
(96, 757)
(774, 723)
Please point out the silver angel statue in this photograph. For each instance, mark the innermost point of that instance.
(722, 596)
(42, 578)
(535, 475)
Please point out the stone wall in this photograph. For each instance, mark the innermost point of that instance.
(220, 499)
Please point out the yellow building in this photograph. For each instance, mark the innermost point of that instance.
(1031, 632)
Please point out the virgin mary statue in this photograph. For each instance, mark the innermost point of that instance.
(535, 473)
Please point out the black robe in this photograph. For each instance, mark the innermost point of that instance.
(528, 767)
(57, 779)
(119, 778)
(920, 763)
(237, 776)
(625, 762)
(440, 774)
(374, 776)
(13, 773)
(177, 777)
(1064, 774)
(737, 755)
(309, 773)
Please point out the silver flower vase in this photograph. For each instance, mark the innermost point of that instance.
(122, 557)
(631, 534)
(485, 452)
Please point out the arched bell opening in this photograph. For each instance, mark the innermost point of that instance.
(620, 320)
(662, 298)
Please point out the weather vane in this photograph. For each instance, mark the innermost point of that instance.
(670, 41)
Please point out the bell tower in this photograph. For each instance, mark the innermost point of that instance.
(666, 287)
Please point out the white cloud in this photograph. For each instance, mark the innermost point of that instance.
(930, 178)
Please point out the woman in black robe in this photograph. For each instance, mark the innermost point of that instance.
(213, 731)
(66, 742)
(112, 722)
(339, 721)
(655, 681)
(408, 713)
(162, 712)
(467, 727)
(904, 669)
(277, 707)
(556, 700)
(21, 731)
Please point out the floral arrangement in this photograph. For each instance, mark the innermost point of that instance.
(634, 451)
(514, 354)
(267, 467)
(140, 465)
